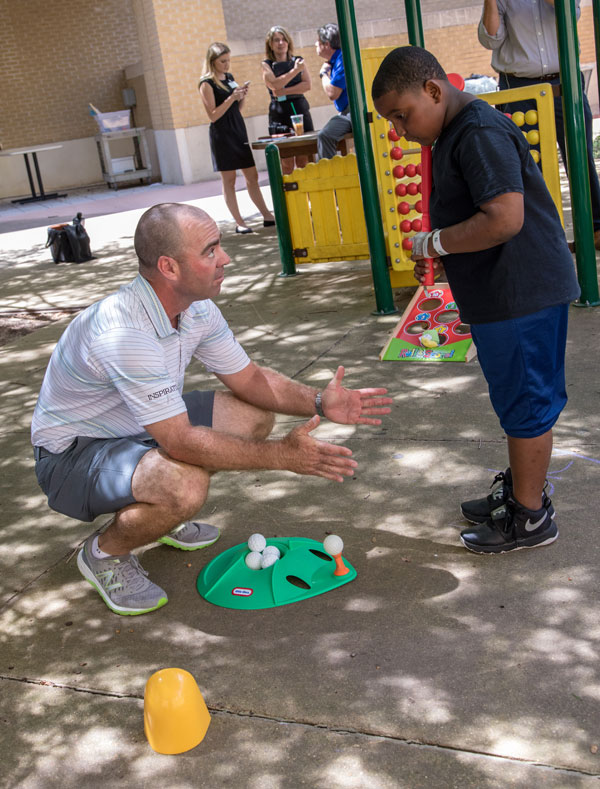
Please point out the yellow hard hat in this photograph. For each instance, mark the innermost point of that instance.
(175, 714)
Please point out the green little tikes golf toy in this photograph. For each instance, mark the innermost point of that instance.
(267, 573)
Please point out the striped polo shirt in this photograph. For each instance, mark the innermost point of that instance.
(120, 366)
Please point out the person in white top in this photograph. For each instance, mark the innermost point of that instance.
(112, 432)
(523, 39)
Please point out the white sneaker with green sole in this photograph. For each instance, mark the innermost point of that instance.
(191, 536)
(121, 582)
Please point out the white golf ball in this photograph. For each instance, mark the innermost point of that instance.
(272, 549)
(256, 542)
(333, 544)
(268, 559)
(253, 560)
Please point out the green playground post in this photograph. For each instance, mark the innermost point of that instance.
(384, 298)
(284, 235)
(579, 179)
(414, 23)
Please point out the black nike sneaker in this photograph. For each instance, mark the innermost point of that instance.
(479, 510)
(510, 527)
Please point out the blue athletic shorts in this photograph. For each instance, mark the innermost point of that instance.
(92, 476)
(523, 361)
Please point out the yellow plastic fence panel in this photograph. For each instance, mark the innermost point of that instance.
(539, 129)
(298, 206)
(323, 206)
(325, 211)
(351, 212)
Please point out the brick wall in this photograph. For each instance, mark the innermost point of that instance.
(456, 47)
(54, 59)
(259, 15)
(54, 64)
(174, 37)
(585, 32)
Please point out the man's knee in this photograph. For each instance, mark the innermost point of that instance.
(180, 487)
(265, 421)
(234, 416)
(326, 145)
(328, 137)
(326, 133)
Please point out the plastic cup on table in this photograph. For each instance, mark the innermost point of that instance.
(298, 124)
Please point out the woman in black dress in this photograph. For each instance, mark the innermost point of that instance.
(287, 79)
(223, 98)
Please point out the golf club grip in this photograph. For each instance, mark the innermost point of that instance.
(425, 195)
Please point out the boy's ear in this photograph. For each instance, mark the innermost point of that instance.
(434, 89)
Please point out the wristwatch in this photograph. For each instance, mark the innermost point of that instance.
(319, 404)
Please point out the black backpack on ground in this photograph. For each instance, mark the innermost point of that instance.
(69, 243)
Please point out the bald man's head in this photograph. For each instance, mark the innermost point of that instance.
(160, 231)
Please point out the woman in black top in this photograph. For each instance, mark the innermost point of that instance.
(223, 98)
(287, 80)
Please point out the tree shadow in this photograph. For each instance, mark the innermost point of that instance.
(430, 644)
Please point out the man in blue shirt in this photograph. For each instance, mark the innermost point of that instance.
(523, 40)
(333, 80)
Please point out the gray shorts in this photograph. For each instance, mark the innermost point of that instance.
(92, 476)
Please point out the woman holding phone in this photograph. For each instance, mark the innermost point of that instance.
(287, 80)
(223, 98)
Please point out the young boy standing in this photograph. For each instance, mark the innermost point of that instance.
(511, 274)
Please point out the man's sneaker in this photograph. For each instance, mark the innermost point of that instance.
(479, 510)
(191, 535)
(509, 528)
(121, 582)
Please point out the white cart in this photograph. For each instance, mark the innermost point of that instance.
(126, 168)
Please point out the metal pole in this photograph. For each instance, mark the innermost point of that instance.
(33, 192)
(384, 298)
(414, 23)
(577, 165)
(284, 236)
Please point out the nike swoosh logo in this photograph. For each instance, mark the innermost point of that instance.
(529, 526)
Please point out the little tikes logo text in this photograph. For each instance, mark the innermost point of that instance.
(242, 591)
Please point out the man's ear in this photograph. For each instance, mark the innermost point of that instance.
(167, 266)
(434, 89)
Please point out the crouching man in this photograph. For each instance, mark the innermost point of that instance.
(113, 433)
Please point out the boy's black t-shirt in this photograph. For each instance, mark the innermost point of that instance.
(480, 155)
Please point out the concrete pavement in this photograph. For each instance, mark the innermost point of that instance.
(434, 668)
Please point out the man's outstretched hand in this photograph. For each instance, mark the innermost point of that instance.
(353, 406)
(304, 454)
